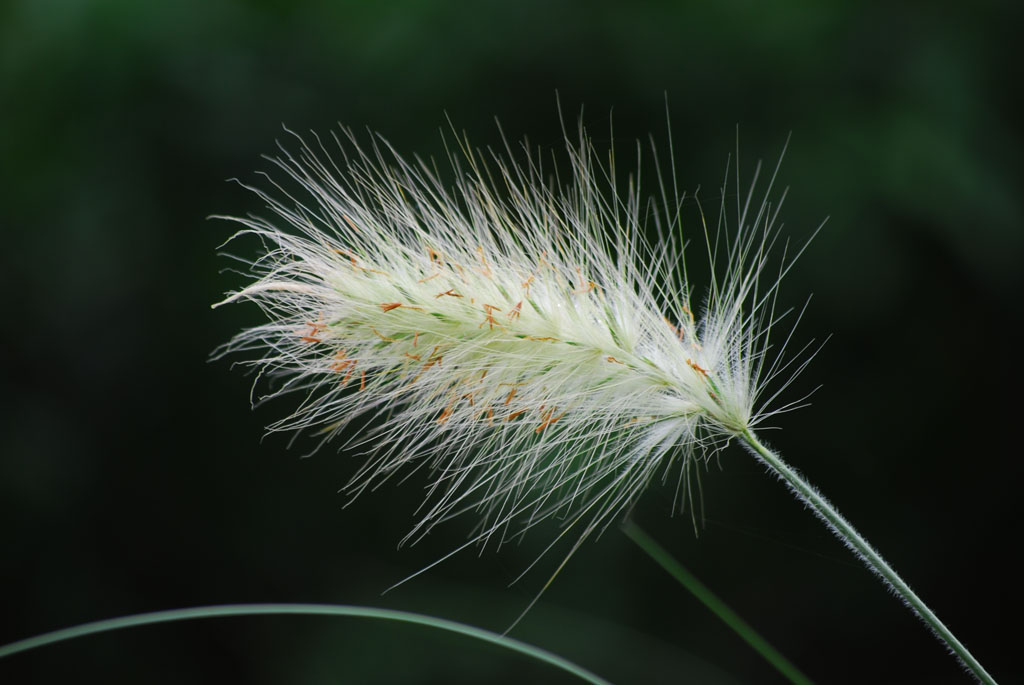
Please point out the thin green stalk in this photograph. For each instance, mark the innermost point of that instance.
(712, 602)
(306, 610)
(852, 539)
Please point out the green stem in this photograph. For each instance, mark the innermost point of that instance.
(852, 539)
(712, 602)
(300, 609)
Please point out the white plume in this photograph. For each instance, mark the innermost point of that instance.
(515, 334)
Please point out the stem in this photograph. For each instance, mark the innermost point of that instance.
(300, 609)
(712, 602)
(872, 559)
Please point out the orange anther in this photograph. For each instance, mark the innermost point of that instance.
(381, 335)
(388, 306)
(489, 317)
(415, 338)
(311, 337)
(341, 361)
(514, 313)
(510, 396)
(428, 278)
(351, 368)
(514, 414)
(486, 270)
(613, 359)
(693, 365)
(448, 410)
(450, 293)
(548, 418)
(590, 285)
(412, 356)
(347, 252)
(678, 331)
(362, 380)
(430, 362)
(526, 285)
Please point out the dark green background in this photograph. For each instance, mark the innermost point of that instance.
(133, 476)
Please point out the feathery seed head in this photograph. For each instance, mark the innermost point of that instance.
(515, 333)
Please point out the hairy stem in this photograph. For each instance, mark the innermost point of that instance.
(305, 610)
(821, 507)
(712, 602)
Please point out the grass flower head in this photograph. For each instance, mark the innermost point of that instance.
(516, 333)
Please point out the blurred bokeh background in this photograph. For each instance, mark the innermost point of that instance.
(132, 472)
